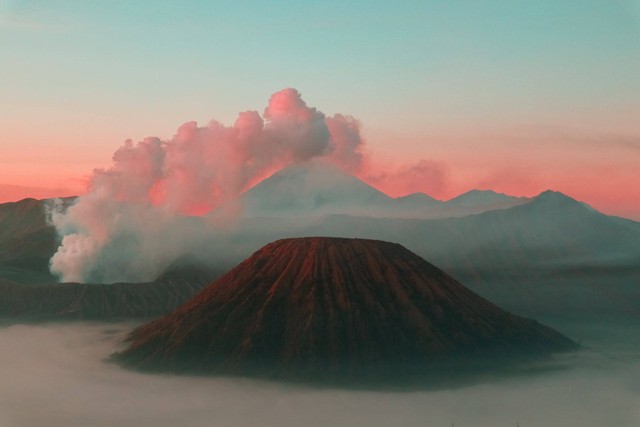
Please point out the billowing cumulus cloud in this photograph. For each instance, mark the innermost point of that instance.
(134, 218)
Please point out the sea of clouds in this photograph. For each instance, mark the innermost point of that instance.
(56, 375)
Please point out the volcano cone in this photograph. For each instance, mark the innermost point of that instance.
(336, 308)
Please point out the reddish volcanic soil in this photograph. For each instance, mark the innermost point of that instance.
(335, 308)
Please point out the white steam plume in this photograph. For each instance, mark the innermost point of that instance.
(138, 215)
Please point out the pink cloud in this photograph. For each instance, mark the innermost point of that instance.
(199, 169)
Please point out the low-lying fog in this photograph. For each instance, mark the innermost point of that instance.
(54, 375)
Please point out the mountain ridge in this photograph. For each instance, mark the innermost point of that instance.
(318, 188)
(100, 302)
(484, 196)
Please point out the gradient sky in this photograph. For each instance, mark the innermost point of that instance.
(517, 96)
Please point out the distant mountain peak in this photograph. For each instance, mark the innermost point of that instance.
(313, 188)
(417, 200)
(475, 191)
(307, 168)
(417, 196)
(483, 197)
(487, 193)
(550, 192)
(555, 197)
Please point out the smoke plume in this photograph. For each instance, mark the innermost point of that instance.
(139, 214)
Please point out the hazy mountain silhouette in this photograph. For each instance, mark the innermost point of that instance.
(313, 188)
(485, 198)
(333, 307)
(417, 201)
(318, 188)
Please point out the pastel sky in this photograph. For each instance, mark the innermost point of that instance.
(515, 96)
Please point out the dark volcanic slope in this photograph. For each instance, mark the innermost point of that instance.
(27, 241)
(79, 301)
(333, 306)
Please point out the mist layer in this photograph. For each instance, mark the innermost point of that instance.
(55, 375)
